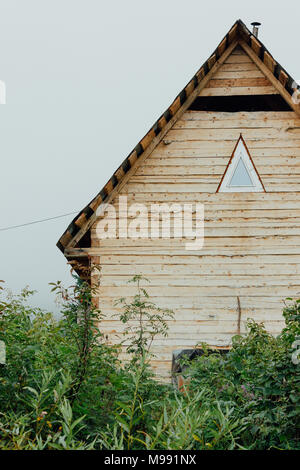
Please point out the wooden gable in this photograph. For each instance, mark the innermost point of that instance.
(238, 35)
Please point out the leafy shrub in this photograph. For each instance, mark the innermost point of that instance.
(63, 387)
(258, 380)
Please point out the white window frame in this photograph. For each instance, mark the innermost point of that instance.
(242, 152)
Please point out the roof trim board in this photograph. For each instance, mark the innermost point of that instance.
(238, 34)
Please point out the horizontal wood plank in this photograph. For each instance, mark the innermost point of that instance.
(239, 91)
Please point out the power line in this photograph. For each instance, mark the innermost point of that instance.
(37, 221)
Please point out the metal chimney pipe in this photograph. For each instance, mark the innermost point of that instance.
(256, 26)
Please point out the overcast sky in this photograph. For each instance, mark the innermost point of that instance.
(85, 80)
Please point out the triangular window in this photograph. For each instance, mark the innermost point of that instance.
(241, 174)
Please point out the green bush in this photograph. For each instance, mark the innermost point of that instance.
(259, 382)
(64, 388)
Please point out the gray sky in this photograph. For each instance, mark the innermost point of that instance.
(85, 80)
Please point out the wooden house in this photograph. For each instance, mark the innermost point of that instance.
(231, 141)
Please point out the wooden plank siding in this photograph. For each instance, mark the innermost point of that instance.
(249, 81)
(252, 240)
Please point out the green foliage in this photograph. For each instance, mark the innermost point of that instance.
(258, 380)
(144, 321)
(64, 388)
(52, 363)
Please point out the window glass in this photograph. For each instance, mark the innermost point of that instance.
(241, 176)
